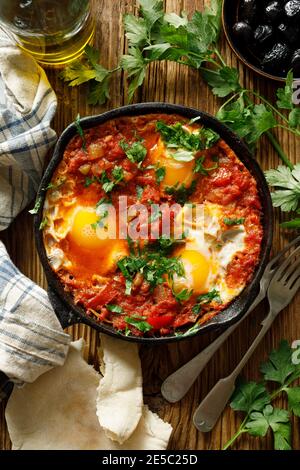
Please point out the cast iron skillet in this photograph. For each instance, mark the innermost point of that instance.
(67, 312)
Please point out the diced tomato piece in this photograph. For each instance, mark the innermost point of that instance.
(104, 297)
(162, 321)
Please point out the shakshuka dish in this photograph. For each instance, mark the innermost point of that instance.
(152, 224)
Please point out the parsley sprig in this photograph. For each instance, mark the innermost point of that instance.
(255, 399)
(155, 36)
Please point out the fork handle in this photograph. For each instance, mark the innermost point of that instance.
(176, 386)
(210, 409)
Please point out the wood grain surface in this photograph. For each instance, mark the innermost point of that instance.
(174, 84)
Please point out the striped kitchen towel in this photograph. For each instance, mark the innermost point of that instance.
(27, 105)
(31, 338)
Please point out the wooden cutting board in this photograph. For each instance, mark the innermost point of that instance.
(174, 84)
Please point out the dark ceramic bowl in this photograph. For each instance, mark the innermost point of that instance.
(69, 313)
(230, 17)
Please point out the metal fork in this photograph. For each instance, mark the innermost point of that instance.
(283, 287)
(175, 387)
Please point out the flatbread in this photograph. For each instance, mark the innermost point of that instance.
(120, 390)
(58, 412)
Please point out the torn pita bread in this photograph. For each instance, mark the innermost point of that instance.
(120, 390)
(58, 412)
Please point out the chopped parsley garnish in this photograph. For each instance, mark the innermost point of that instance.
(204, 299)
(88, 181)
(37, 206)
(181, 193)
(160, 174)
(199, 168)
(139, 192)
(139, 323)
(107, 184)
(103, 200)
(99, 222)
(175, 136)
(232, 222)
(114, 308)
(154, 267)
(135, 152)
(80, 131)
(183, 296)
(43, 223)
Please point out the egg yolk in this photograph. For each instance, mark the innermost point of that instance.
(91, 248)
(83, 231)
(197, 269)
(175, 171)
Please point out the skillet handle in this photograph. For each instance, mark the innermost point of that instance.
(64, 313)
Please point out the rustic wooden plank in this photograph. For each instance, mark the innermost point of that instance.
(175, 84)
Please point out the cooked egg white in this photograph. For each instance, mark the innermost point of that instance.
(207, 254)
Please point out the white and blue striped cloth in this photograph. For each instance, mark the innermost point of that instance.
(31, 338)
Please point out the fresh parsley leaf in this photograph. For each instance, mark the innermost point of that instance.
(135, 66)
(183, 295)
(139, 323)
(107, 184)
(88, 70)
(223, 81)
(275, 418)
(212, 296)
(99, 222)
(114, 308)
(231, 222)
(285, 95)
(136, 30)
(44, 223)
(160, 173)
(176, 137)
(288, 196)
(294, 117)
(135, 152)
(118, 174)
(292, 224)
(80, 131)
(152, 12)
(88, 181)
(279, 367)
(199, 168)
(294, 400)
(176, 20)
(196, 309)
(249, 396)
(103, 200)
(37, 206)
(139, 192)
(153, 266)
(128, 286)
(181, 193)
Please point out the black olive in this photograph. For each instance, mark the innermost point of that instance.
(262, 33)
(276, 59)
(243, 31)
(296, 63)
(248, 10)
(289, 33)
(273, 11)
(292, 9)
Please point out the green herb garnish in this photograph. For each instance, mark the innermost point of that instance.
(199, 168)
(37, 206)
(231, 222)
(135, 152)
(176, 137)
(114, 308)
(139, 323)
(80, 131)
(139, 192)
(160, 174)
(181, 193)
(183, 295)
(255, 400)
(44, 223)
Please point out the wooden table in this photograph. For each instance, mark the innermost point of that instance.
(174, 84)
